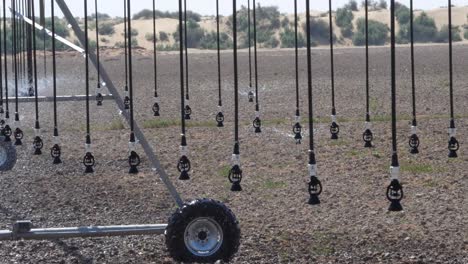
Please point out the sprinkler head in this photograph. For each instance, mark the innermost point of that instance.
(89, 162)
(315, 189)
(235, 177)
(453, 147)
(18, 136)
(220, 119)
(414, 144)
(127, 102)
(257, 124)
(187, 112)
(99, 99)
(155, 109)
(55, 152)
(7, 133)
(395, 195)
(334, 130)
(297, 130)
(251, 96)
(184, 167)
(134, 161)
(368, 137)
(38, 145)
(31, 91)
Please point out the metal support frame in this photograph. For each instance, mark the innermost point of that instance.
(24, 230)
(60, 98)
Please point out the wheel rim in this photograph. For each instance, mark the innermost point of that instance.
(3, 155)
(203, 237)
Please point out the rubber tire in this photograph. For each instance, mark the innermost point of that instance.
(11, 155)
(202, 208)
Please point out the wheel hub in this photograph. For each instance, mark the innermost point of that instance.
(203, 237)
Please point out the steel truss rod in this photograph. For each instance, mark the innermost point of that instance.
(49, 33)
(22, 230)
(62, 98)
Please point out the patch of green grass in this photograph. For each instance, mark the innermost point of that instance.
(116, 125)
(352, 153)
(377, 154)
(417, 168)
(164, 123)
(340, 142)
(224, 171)
(269, 184)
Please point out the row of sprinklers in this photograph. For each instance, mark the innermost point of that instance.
(24, 67)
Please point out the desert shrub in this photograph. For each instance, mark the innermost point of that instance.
(148, 14)
(168, 47)
(144, 14)
(273, 42)
(402, 14)
(425, 29)
(373, 5)
(352, 5)
(319, 31)
(378, 33)
(443, 34)
(285, 22)
(288, 39)
(163, 36)
(134, 32)
(106, 29)
(149, 37)
(101, 16)
(347, 32)
(268, 20)
(403, 35)
(465, 33)
(383, 4)
(104, 40)
(209, 41)
(344, 17)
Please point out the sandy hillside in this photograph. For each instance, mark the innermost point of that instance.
(208, 23)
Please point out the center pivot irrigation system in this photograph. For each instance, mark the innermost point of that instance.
(203, 230)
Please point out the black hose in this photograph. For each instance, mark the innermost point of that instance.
(54, 68)
(155, 51)
(181, 57)
(296, 50)
(257, 106)
(332, 62)
(393, 76)
(88, 127)
(452, 111)
(97, 46)
(367, 63)
(220, 102)
(5, 68)
(236, 77)
(187, 96)
(130, 73)
(309, 79)
(36, 99)
(126, 45)
(250, 43)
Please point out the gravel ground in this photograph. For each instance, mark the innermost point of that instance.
(351, 225)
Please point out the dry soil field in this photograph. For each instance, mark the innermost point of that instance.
(351, 225)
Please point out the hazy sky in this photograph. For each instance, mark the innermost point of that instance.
(207, 7)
